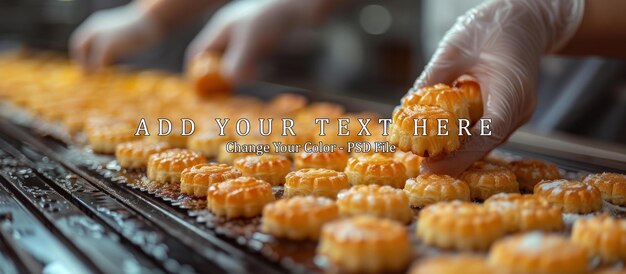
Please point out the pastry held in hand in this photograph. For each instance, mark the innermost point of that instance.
(428, 142)
(205, 76)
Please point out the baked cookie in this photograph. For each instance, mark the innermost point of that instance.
(205, 77)
(208, 143)
(195, 181)
(401, 131)
(365, 244)
(487, 179)
(135, 154)
(612, 186)
(316, 182)
(104, 139)
(428, 189)
(375, 169)
(375, 200)
(537, 253)
(410, 161)
(531, 172)
(451, 99)
(570, 196)
(471, 89)
(459, 225)
(525, 212)
(336, 160)
(298, 218)
(239, 197)
(415, 95)
(453, 264)
(286, 104)
(602, 236)
(270, 168)
(165, 167)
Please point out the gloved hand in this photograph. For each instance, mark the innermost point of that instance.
(245, 30)
(109, 34)
(499, 43)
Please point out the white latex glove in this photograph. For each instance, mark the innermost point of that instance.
(108, 34)
(500, 43)
(245, 30)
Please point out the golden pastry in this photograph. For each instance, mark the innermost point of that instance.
(298, 218)
(428, 189)
(459, 225)
(104, 139)
(612, 186)
(453, 264)
(270, 168)
(239, 197)
(135, 154)
(452, 100)
(410, 161)
(487, 179)
(375, 169)
(401, 131)
(415, 95)
(229, 158)
(375, 200)
(165, 167)
(531, 172)
(471, 89)
(196, 180)
(286, 104)
(525, 212)
(174, 139)
(570, 196)
(316, 182)
(602, 236)
(538, 253)
(305, 118)
(365, 244)
(204, 74)
(336, 160)
(208, 143)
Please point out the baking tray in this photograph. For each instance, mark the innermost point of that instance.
(116, 216)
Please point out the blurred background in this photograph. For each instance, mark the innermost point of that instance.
(372, 50)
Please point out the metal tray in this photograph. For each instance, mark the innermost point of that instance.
(93, 217)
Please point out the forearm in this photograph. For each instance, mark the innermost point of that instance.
(169, 14)
(601, 31)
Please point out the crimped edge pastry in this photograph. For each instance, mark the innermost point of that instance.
(571, 196)
(268, 167)
(452, 264)
(298, 218)
(336, 160)
(531, 172)
(105, 139)
(196, 180)
(365, 244)
(471, 89)
(135, 154)
(208, 143)
(602, 236)
(538, 253)
(165, 167)
(612, 186)
(525, 212)
(375, 169)
(402, 129)
(487, 179)
(239, 197)
(459, 225)
(375, 200)
(412, 163)
(431, 188)
(316, 182)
